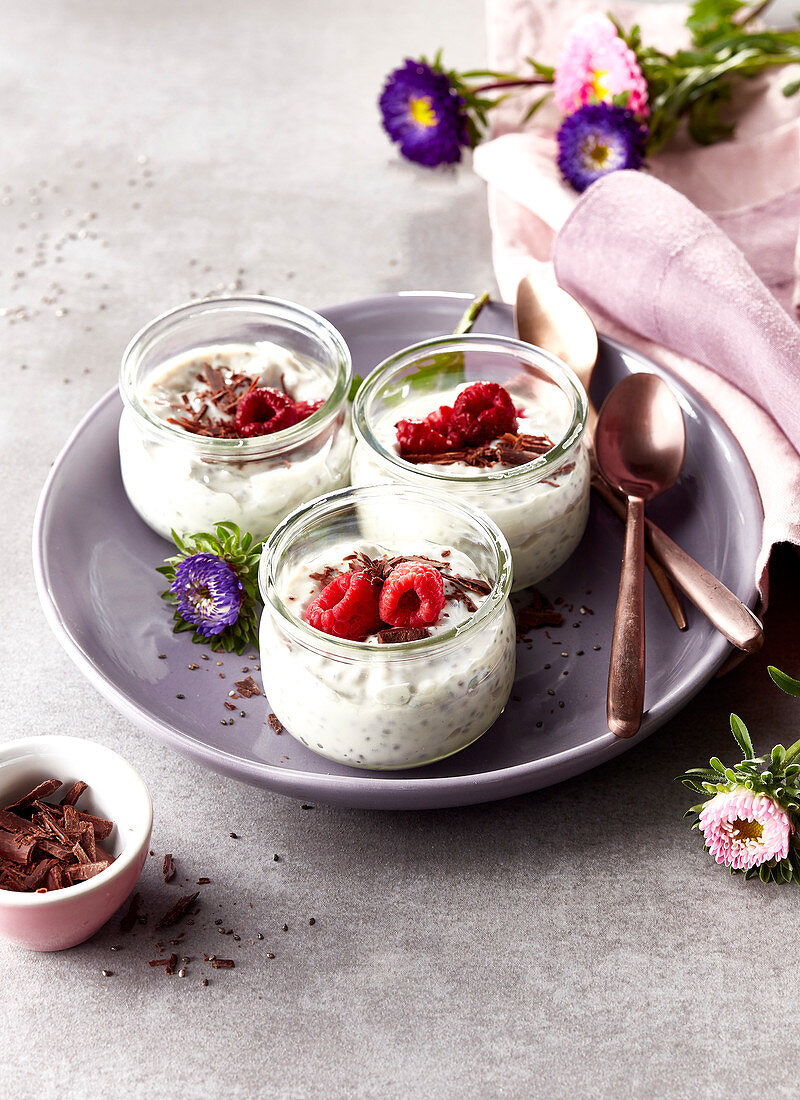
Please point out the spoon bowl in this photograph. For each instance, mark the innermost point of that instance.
(547, 316)
(642, 445)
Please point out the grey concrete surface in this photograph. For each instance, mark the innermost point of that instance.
(575, 942)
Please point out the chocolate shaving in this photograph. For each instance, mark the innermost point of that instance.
(178, 911)
(538, 613)
(275, 722)
(168, 868)
(511, 449)
(42, 791)
(172, 962)
(247, 687)
(74, 793)
(87, 870)
(402, 634)
(17, 849)
(223, 964)
(160, 962)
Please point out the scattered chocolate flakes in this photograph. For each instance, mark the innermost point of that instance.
(203, 881)
(178, 911)
(158, 962)
(538, 613)
(247, 687)
(275, 722)
(223, 964)
(172, 962)
(168, 868)
(228, 706)
(402, 634)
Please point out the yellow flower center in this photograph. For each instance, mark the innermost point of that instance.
(599, 86)
(421, 110)
(746, 830)
(596, 152)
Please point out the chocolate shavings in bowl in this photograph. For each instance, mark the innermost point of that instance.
(50, 847)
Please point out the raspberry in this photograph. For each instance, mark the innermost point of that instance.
(412, 595)
(263, 411)
(417, 437)
(441, 420)
(483, 411)
(346, 608)
(303, 409)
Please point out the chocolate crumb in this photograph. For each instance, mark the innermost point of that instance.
(107, 973)
(171, 964)
(205, 981)
(247, 687)
(178, 911)
(275, 722)
(312, 920)
(168, 868)
(203, 881)
(223, 964)
(402, 634)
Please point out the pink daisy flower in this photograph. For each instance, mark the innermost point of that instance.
(743, 830)
(596, 63)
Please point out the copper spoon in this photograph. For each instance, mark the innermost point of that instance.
(550, 318)
(640, 443)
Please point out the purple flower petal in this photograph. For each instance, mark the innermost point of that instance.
(208, 592)
(597, 139)
(424, 114)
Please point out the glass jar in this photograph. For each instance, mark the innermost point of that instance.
(542, 506)
(179, 480)
(396, 705)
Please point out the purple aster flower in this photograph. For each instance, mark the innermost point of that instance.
(208, 592)
(424, 114)
(597, 139)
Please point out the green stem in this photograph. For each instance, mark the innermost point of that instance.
(520, 82)
(471, 314)
(791, 754)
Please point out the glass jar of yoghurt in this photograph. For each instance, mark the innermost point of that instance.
(542, 504)
(407, 702)
(182, 467)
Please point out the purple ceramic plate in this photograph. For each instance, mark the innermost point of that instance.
(94, 561)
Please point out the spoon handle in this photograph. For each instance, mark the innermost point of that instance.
(728, 614)
(625, 703)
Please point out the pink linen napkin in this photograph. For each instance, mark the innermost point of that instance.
(719, 260)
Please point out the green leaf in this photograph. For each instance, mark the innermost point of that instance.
(784, 682)
(740, 733)
(790, 89)
(534, 107)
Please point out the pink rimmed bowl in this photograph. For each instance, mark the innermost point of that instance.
(63, 918)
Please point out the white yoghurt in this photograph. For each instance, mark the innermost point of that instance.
(542, 519)
(183, 485)
(388, 707)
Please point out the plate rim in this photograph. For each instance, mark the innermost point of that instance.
(374, 791)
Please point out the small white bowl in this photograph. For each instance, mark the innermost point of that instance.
(63, 918)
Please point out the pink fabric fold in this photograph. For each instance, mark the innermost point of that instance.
(693, 262)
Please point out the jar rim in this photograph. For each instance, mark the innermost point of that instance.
(536, 470)
(349, 497)
(313, 324)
